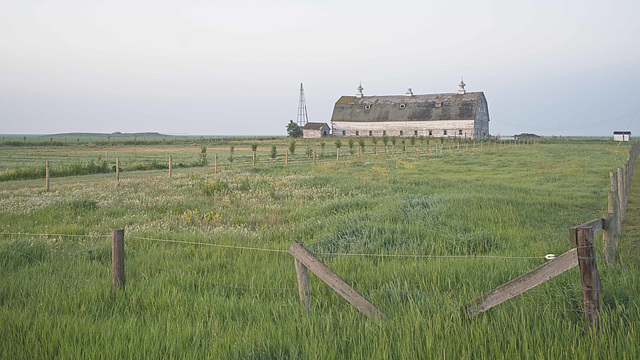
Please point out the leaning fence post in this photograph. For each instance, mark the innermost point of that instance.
(304, 290)
(589, 277)
(117, 168)
(117, 260)
(46, 176)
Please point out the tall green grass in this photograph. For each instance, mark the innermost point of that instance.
(198, 301)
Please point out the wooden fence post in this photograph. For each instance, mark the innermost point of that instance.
(314, 156)
(621, 192)
(46, 187)
(117, 260)
(117, 168)
(589, 277)
(608, 235)
(615, 202)
(170, 166)
(304, 289)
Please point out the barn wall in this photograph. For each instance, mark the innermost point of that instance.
(311, 134)
(408, 128)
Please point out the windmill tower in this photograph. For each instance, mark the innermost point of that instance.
(302, 109)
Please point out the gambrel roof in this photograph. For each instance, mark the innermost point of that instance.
(431, 107)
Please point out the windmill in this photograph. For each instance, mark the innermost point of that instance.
(302, 109)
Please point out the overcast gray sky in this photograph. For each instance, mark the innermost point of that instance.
(235, 67)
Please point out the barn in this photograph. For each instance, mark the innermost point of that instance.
(312, 130)
(462, 115)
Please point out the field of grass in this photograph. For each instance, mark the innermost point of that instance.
(484, 216)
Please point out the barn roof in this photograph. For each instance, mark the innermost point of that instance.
(430, 107)
(314, 126)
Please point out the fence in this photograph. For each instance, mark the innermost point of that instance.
(582, 255)
(311, 156)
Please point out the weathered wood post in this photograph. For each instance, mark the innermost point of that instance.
(304, 289)
(613, 175)
(608, 234)
(170, 166)
(46, 170)
(589, 277)
(117, 260)
(215, 163)
(337, 154)
(117, 168)
(621, 192)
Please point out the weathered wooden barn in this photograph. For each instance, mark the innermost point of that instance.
(313, 130)
(461, 114)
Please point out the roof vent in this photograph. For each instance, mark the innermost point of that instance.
(461, 90)
(359, 94)
(409, 92)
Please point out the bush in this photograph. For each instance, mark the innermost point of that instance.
(214, 186)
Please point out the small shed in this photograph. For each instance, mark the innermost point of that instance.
(622, 135)
(315, 130)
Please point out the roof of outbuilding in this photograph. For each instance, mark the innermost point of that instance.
(430, 107)
(314, 126)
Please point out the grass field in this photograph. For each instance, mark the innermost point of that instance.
(183, 300)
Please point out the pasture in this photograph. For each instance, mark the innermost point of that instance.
(208, 275)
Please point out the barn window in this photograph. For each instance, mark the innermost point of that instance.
(415, 133)
(430, 132)
(370, 133)
(445, 132)
(400, 132)
(402, 106)
(367, 106)
(357, 133)
(344, 133)
(459, 132)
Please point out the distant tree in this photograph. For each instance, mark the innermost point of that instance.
(413, 141)
(294, 130)
(361, 143)
(338, 144)
(351, 143)
(203, 156)
(274, 152)
(385, 141)
(231, 149)
(292, 147)
(254, 148)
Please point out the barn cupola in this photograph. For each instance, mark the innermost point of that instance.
(409, 92)
(461, 89)
(359, 94)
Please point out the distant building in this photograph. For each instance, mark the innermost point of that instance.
(461, 114)
(622, 135)
(313, 130)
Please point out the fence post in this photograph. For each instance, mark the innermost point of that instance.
(117, 260)
(304, 290)
(46, 166)
(117, 168)
(589, 277)
(621, 192)
(286, 158)
(314, 156)
(169, 166)
(608, 234)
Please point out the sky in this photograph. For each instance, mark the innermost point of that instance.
(213, 67)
